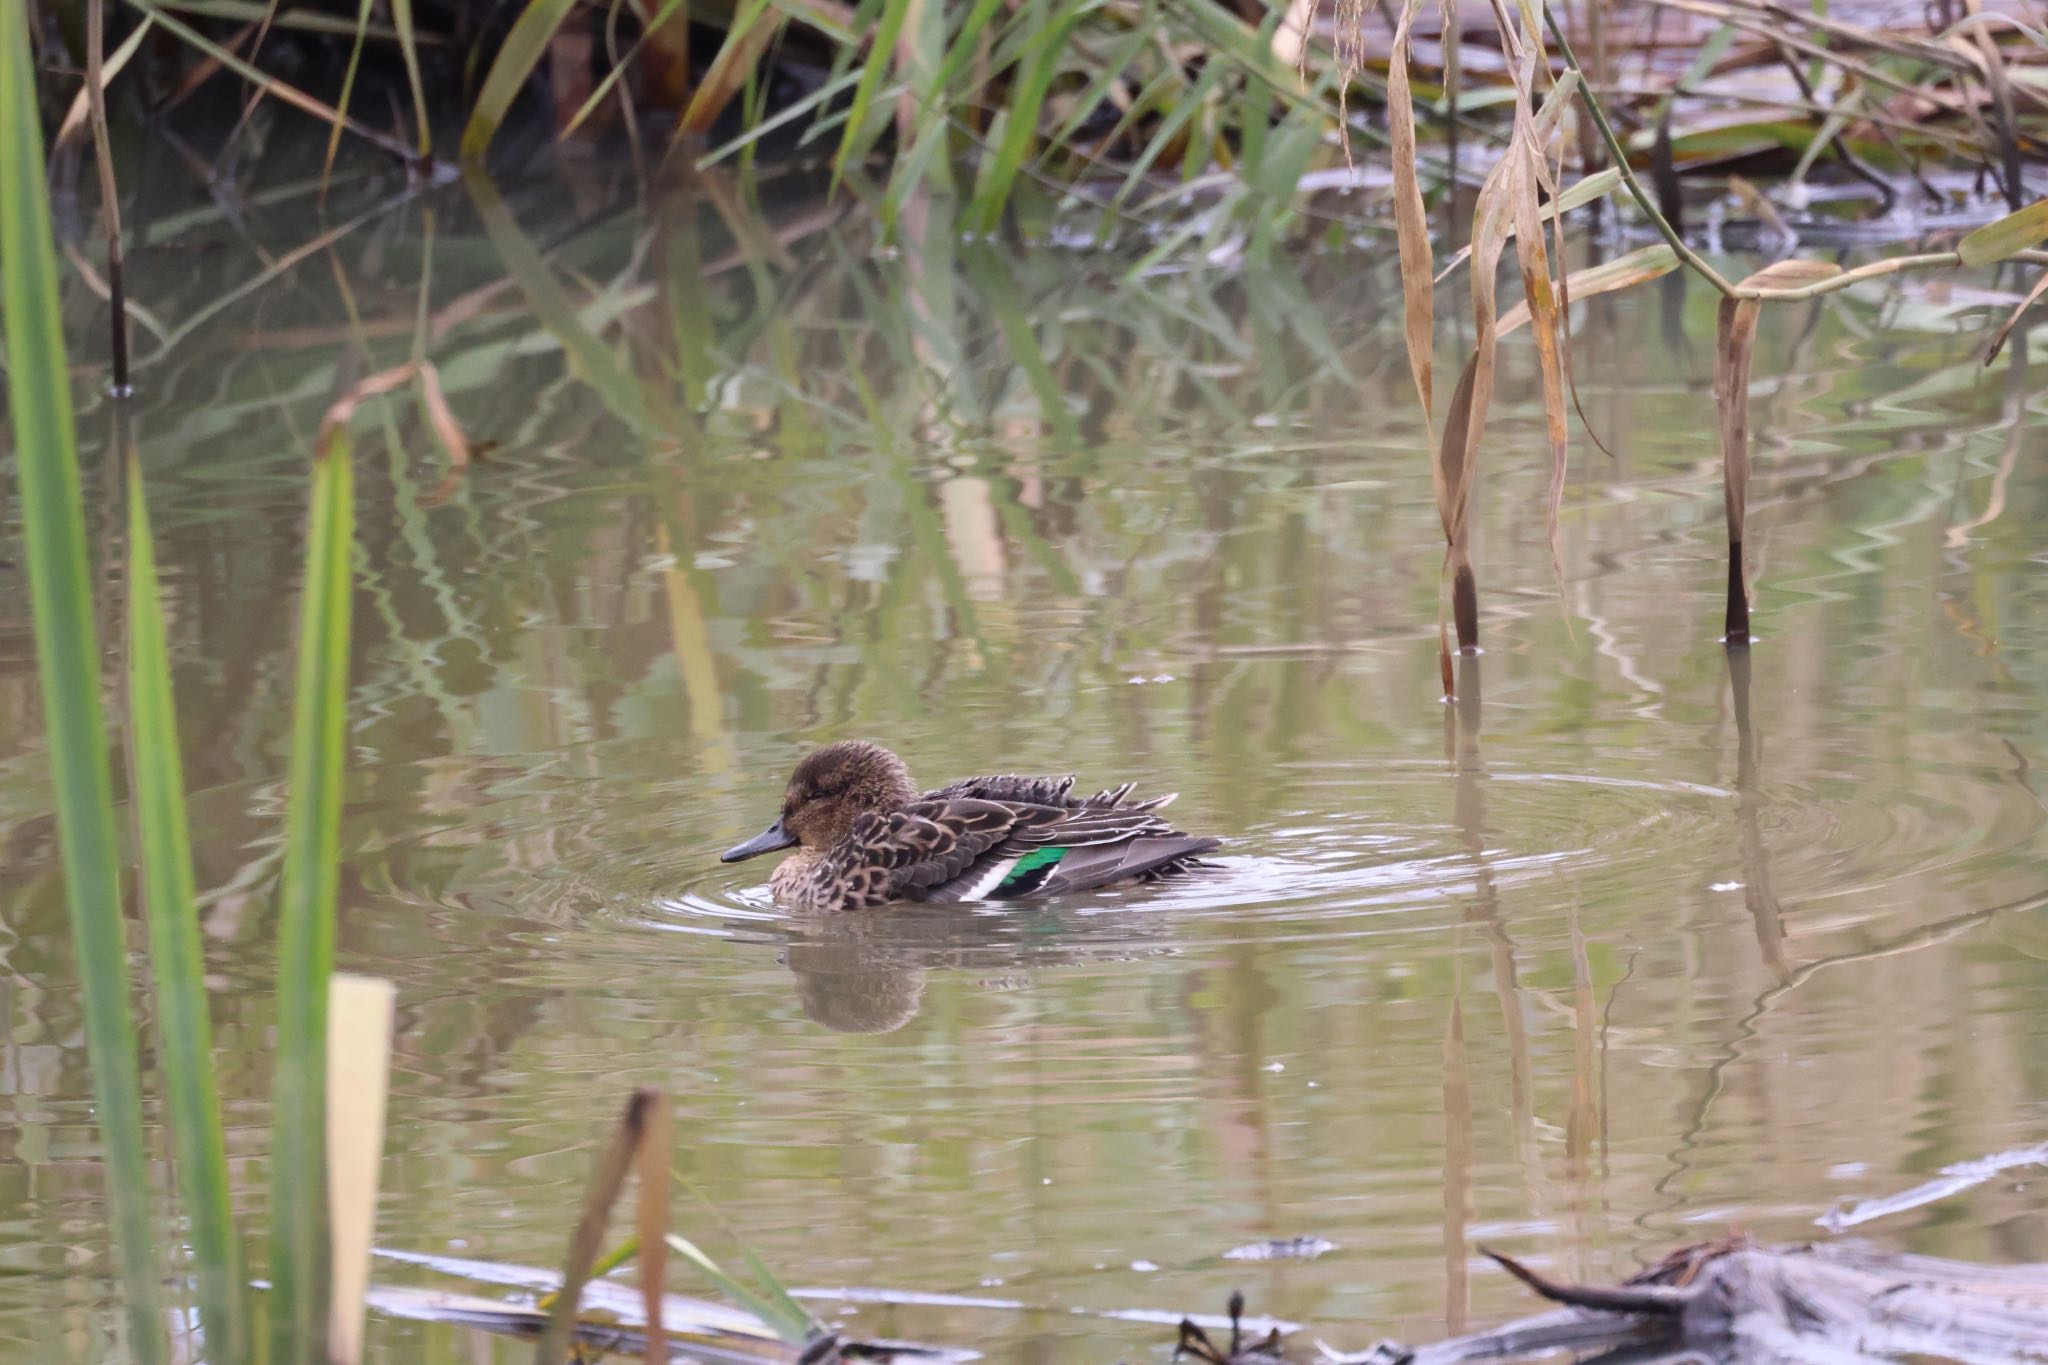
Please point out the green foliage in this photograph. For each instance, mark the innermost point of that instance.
(306, 912)
(67, 658)
(176, 963)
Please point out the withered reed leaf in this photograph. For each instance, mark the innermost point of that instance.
(651, 1224)
(1636, 267)
(1450, 473)
(1734, 349)
(1734, 342)
(1411, 223)
(607, 1177)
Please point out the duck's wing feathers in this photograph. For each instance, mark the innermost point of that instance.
(1051, 850)
(1057, 792)
(911, 853)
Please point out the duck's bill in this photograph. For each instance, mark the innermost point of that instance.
(767, 841)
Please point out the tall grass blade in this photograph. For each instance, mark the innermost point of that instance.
(521, 51)
(1033, 83)
(358, 1079)
(795, 1329)
(177, 964)
(305, 930)
(401, 19)
(68, 664)
(860, 133)
(348, 86)
(606, 1179)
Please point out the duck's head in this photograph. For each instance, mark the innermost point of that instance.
(830, 789)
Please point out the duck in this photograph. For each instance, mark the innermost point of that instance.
(865, 836)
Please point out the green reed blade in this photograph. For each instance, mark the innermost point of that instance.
(861, 132)
(177, 965)
(305, 927)
(68, 662)
(521, 51)
(401, 19)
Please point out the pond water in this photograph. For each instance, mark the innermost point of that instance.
(1623, 952)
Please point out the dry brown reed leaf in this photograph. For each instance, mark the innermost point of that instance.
(1451, 453)
(728, 71)
(1734, 348)
(343, 409)
(1539, 293)
(1623, 272)
(1411, 224)
(2005, 328)
(606, 1179)
(651, 1227)
(442, 417)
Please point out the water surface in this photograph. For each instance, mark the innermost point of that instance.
(1625, 952)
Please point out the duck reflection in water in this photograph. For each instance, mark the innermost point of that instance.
(867, 973)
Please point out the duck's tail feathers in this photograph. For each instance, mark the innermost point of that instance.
(1086, 868)
(1115, 797)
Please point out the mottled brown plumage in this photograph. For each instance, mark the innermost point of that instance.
(865, 836)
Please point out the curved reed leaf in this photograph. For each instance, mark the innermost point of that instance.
(1637, 267)
(305, 928)
(68, 665)
(523, 48)
(177, 965)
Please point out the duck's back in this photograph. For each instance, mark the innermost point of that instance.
(1056, 792)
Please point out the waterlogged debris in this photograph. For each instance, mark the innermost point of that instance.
(1195, 1343)
(1721, 1303)
(1281, 1249)
(1954, 1179)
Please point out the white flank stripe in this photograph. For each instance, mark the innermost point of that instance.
(994, 879)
